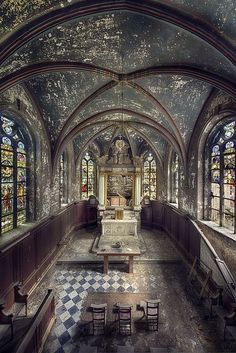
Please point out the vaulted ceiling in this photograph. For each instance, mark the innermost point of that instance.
(91, 67)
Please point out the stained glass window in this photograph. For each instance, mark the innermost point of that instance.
(174, 176)
(150, 177)
(88, 176)
(13, 170)
(222, 177)
(63, 179)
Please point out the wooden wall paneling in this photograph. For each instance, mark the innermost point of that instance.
(6, 273)
(195, 241)
(28, 257)
(81, 216)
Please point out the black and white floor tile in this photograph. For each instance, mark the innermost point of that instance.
(73, 286)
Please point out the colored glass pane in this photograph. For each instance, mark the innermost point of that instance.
(21, 160)
(215, 202)
(228, 221)
(7, 157)
(7, 197)
(7, 205)
(7, 223)
(221, 140)
(21, 189)
(229, 147)
(215, 189)
(21, 202)
(215, 216)
(215, 162)
(215, 176)
(7, 125)
(229, 176)
(21, 217)
(229, 191)
(215, 150)
(229, 161)
(21, 147)
(7, 174)
(229, 207)
(6, 143)
(229, 130)
(21, 175)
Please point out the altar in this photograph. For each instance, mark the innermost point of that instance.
(119, 227)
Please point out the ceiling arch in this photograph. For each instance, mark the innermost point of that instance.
(98, 120)
(90, 65)
(152, 9)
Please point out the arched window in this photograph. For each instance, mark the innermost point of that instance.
(150, 177)
(63, 179)
(174, 178)
(221, 196)
(13, 171)
(88, 177)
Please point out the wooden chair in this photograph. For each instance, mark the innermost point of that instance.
(6, 319)
(151, 311)
(124, 318)
(99, 312)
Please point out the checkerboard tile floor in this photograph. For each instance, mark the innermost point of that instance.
(73, 286)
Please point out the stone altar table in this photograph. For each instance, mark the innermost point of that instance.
(119, 227)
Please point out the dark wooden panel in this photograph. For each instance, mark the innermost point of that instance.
(179, 226)
(6, 272)
(146, 216)
(26, 259)
(28, 256)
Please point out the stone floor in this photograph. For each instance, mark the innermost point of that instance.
(183, 326)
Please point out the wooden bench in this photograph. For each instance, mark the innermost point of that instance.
(20, 300)
(200, 280)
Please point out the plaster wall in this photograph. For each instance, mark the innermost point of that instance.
(43, 187)
(191, 179)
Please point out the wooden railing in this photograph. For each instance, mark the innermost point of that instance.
(40, 326)
(26, 259)
(191, 242)
(180, 228)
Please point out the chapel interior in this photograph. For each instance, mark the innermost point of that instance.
(117, 176)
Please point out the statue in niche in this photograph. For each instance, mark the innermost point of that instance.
(120, 152)
(102, 160)
(138, 161)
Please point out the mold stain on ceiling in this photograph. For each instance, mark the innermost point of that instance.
(116, 67)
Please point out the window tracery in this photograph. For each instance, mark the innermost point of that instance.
(88, 176)
(13, 171)
(174, 177)
(63, 179)
(150, 177)
(222, 177)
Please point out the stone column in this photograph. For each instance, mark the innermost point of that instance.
(101, 197)
(137, 198)
(137, 191)
(102, 190)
